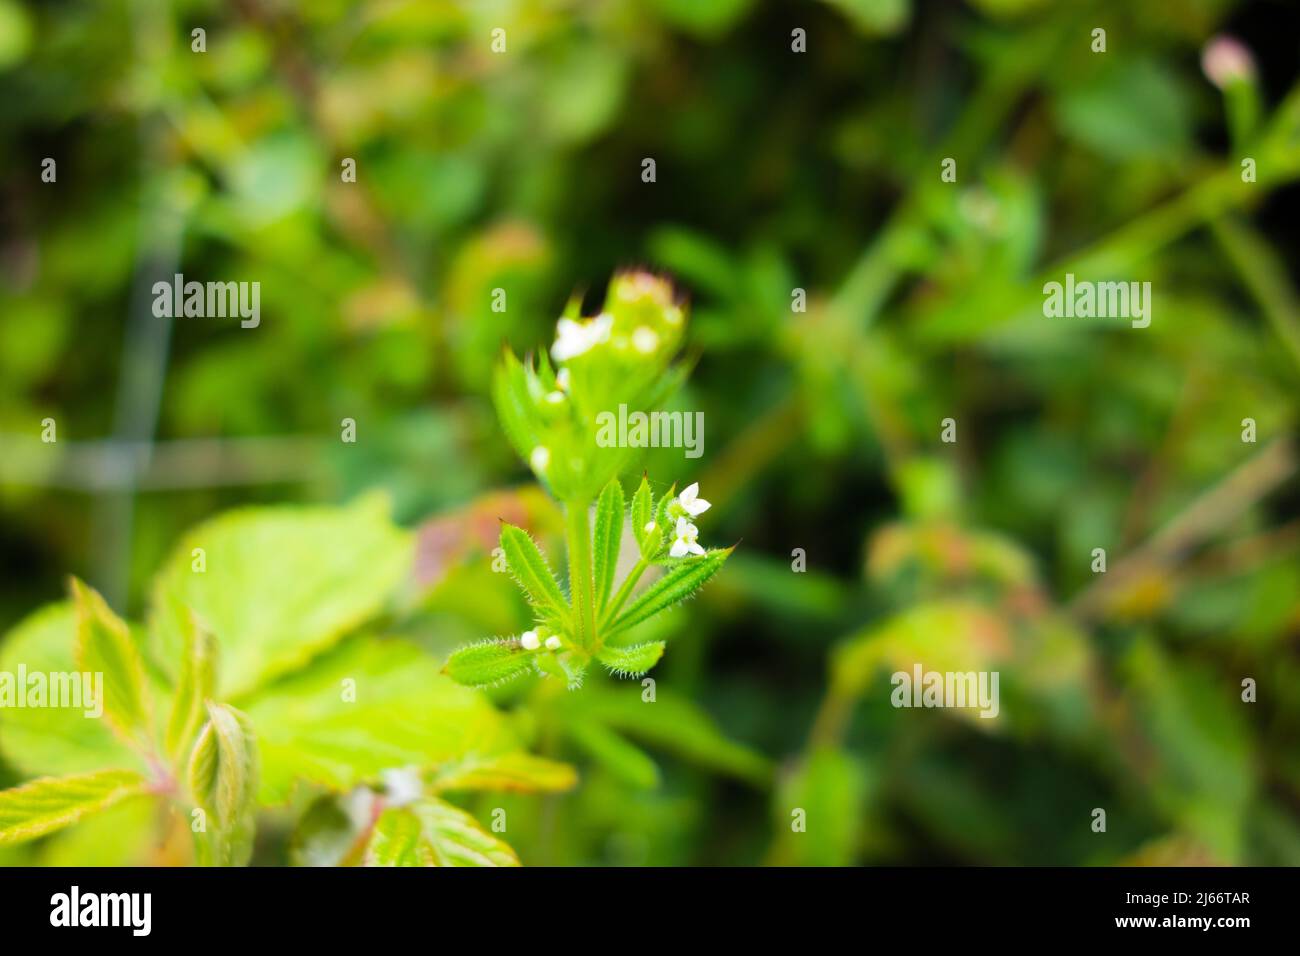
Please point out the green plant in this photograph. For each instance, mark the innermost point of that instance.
(620, 358)
(300, 692)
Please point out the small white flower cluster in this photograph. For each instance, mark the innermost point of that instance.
(531, 641)
(573, 338)
(686, 506)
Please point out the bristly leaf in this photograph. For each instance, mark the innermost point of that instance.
(682, 580)
(104, 644)
(608, 535)
(52, 803)
(223, 776)
(488, 663)
(197, 684)
(643, 509)
(529, 567)
(632, 661)
(514, 405)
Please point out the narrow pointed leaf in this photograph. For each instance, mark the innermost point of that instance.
(488, 663)
(529, 567)
(682, 580)
(196, 685)
(52, 803)
(643, 510)
(631, 661)
(608, 536)
(104, 645)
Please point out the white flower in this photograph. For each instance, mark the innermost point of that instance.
(562, 379)
(690, 502)
(555, 398)
(685, 543)
(540, 458)
(552, 643)
(650, 526)
(573, 338)
(529, 641)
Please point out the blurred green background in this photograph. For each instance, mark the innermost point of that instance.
(775, 171)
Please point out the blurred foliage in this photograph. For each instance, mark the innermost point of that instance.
(776, 171)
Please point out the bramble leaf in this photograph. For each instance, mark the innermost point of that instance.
(197, 684)
(53, 741)
(529, 567)
(520, 772)
(608, 535)
(631, 661)
(683, 579)
(367, 705)
(279, 585)
(104, 644)
(488, 663)
(397, 840)
(223, 778)
(434, 833)
(52, 803)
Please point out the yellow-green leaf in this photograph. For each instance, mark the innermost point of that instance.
(197, 684)
(279, 585)
(51, 803)
(104, 645)
(521, 772)
(223, 774)
(398, 840)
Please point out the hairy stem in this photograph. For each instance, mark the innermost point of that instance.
(578, 530)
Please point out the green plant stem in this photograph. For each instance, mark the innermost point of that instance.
(624, 591)
(581, 589)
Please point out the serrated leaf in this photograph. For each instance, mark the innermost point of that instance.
(530, 569)
(632, 661)
(520, 772)
(618, 756)
(643, 509)
(608, 535)
(196, 685)
(683, 579)
(52, 741)
(489, 663)
(457, 839)
(223, 779)
(368, 705)
(398, 840)
(52, 803)
(104, 645)
(434, 833)
(279, 585)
